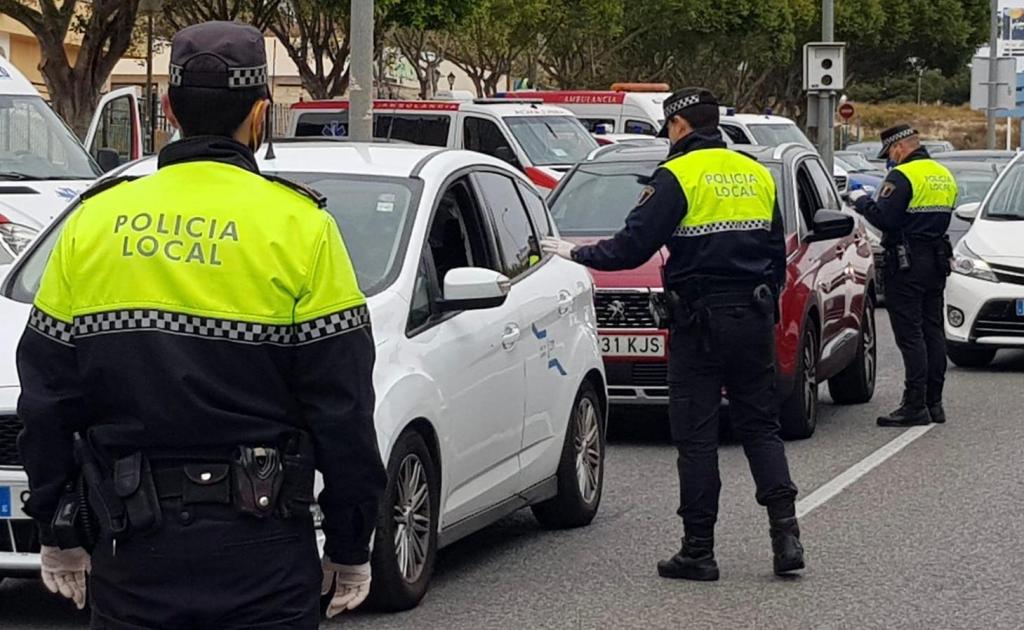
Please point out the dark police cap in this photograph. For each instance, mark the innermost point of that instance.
(892, 135)
(218, 55)
(682, 100)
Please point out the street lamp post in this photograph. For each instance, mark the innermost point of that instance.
(149, 8)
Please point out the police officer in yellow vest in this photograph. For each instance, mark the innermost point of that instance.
(716, 211)
(913, 210)
(199, 347)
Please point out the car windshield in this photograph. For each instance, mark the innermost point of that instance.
(596, 198)
(1007, 200)
(373, 214)
(853, 161)
(35, 144)
(868, 149)
(551, 140)
(774, 134)
(972, 180)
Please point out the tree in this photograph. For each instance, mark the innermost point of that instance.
(315, 35)
(106, 28)
(417, 28)
(181, 13)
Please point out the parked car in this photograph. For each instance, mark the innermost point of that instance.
(489, 380)
(973, 181)
(43, 166)
(937, 146)
(985, 293)
(867, 179)
(827, 330)
(542, 141)
(1001, 158)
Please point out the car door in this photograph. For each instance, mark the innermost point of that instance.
(824, 259)
(475, 358)
(115, 133)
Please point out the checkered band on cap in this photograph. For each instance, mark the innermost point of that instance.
(906, 133)
(672, 109)
(247, 77)
(175, 76)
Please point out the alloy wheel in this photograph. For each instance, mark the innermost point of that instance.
(412, 518)
(870, 349)
(810, 376)
(588, 449)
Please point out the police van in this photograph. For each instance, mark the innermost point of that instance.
(43, 166)
(542, 141)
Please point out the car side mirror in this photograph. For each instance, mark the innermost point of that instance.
(108, 159)
(473, 288)
(830, 224)
(506, 154)
(968, 211)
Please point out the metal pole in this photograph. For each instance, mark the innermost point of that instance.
(993, 75)
(150, 101)
(360, 123)
(826, 111)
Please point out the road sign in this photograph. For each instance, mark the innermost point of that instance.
(1006, 83)
(846, 110)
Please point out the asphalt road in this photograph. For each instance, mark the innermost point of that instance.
(930, 538)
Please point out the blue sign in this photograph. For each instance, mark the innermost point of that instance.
(1018, 111)
(5, 502)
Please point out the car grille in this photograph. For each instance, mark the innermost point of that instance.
(650, 374)
(998, 318)
(1005, 273)
(624, 309)
(10, 427)
(840, 182)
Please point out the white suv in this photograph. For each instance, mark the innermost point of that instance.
(985, 293)
(489, 380)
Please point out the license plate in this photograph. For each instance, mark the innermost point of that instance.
(1020, 308)
(6, 509)
(633, 345)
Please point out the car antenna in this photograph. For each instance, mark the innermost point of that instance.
(270, 155)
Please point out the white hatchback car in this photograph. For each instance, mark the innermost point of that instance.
(985, 293)
(489, 380)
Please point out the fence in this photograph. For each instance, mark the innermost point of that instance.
(280, 114)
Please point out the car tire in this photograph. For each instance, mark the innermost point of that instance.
(856, 383)
(798, 415)
(963, 355)
(581, 468)
(405, 523)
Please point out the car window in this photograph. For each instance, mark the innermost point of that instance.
(774, 134)
(1006, 201)
(736, 134)
(807, 195)
(422, 295)
(535, 206)
(480, 134)
(322, 124)
(516, 240)
(426, 129)
(823, 184)
(36, 144)
(551, 140)
(456, 237)
(640, 126)
(114, 129)
(591, 124)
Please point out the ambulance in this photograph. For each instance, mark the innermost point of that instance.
(43, 166)
(627, 108)
(540, 140)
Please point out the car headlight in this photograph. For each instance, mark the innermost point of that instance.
(968, 263)
(15, 235)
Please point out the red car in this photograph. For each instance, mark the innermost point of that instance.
(827, 330)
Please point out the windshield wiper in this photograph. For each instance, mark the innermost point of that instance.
(15, 176)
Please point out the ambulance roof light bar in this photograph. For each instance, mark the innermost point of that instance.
(640, 87)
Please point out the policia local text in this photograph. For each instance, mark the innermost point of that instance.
(178, 238)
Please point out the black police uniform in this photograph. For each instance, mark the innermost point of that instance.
(727, 340)
(201, 330)
(914, 295)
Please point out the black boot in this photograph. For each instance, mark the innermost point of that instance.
(695, 561)
(937, 413)
(789, 553)
(911, 412)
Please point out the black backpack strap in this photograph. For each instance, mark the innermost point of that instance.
(302, 189)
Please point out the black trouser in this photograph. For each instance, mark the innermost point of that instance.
(914, 301)
(206, 569)
(735, 349)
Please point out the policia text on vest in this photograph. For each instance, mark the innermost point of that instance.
(175, 237)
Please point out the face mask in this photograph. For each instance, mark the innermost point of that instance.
(890, 164)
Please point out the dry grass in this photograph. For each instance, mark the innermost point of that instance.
(960, 125)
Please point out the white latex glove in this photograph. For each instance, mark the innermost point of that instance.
(64, 572)
(854, 196)
(351, 585)
(557, 247)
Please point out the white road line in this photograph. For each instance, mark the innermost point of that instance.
(858, 470)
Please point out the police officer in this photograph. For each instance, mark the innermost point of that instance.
(716, 210)
(913, 210)
(199, 344)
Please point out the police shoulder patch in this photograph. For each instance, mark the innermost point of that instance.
(105, 184)
(645, 194)
(887, 189)
(302, 189)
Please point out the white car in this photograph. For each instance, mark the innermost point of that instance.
(985, 293)
(489, 380)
